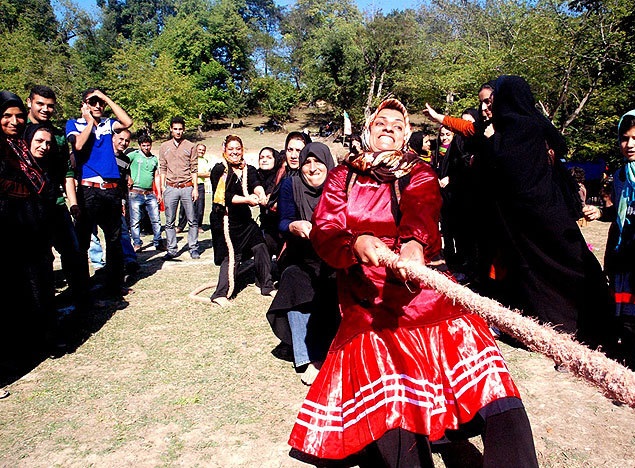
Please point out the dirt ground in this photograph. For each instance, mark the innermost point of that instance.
(162, 380)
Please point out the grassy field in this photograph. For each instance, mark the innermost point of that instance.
(162, 380)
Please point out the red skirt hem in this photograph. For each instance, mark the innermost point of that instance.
(425, 380)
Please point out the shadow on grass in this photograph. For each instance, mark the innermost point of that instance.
(27, 348)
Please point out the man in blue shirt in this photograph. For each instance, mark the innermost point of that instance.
(98, 194)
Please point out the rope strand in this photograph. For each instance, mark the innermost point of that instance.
(614, 380)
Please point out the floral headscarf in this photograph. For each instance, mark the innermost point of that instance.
(385, 166)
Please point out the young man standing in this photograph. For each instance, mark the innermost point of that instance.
(178, 168)
(144, 171)
(41, 104)
(99, 196)
(199, 205)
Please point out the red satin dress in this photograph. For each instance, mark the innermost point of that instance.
(401, 358)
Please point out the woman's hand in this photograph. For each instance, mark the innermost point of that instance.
(365, 248)
(432, 114)
(253, 200)
(591, 212)
(300, 228)
(411, 252)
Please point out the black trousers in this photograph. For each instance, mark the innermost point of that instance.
(507, 442)
(102, 207)
(66, 243)
(262, 263)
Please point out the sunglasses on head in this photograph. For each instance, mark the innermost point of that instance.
(94, 100)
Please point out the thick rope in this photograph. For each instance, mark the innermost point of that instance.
(228, 241)
(232, 259)
(614, 380)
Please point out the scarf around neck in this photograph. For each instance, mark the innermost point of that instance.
(383, 166)
(28, 165)
(627, 197)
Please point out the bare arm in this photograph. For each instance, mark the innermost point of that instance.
(80, 140)
(123, 119)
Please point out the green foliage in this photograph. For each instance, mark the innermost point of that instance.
(210, 59)
(36, 16)
(151, 88)
(275, 98)
(26, 61)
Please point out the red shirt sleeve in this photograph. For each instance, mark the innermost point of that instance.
(464, 127)
(420, 208)
(331, 238)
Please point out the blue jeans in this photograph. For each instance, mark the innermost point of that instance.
(171, 198)
(129, 255)
(136, 202)
(298, 322)
(96, 252)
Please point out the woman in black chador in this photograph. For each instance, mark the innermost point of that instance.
(545, 264)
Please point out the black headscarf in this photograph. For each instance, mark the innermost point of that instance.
(306, 196)
(268, 176)
(16, 147)
(522, 134)
(522, 141)
(32, 128)
(8, 99)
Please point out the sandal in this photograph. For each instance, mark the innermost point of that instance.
(221, 302)
(311, 372)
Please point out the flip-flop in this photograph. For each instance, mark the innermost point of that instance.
(4, 393)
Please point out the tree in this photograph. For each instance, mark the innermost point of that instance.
(151, 88)
(275, 98)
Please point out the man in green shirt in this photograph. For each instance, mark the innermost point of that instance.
(144, 171)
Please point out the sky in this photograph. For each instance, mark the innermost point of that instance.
(365, 5)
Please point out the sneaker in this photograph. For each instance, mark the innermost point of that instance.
(169, 256)
(195, 255)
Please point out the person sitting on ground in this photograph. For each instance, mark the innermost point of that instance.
(304, 313)
(235, 235)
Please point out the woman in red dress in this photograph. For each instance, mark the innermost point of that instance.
(407, 366)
